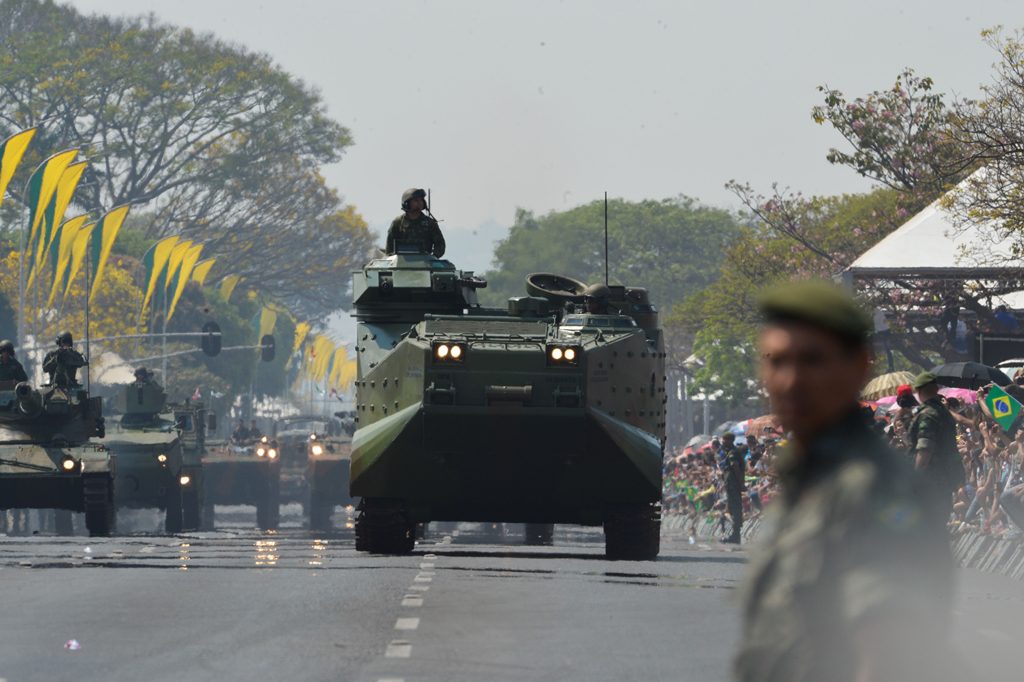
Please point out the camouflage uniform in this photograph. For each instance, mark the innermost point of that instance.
(422, 230)
(62, 366)
(933, 428)
(852, 548)
(733, 470)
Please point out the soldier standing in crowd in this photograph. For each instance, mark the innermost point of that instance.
(62, 364)
(932, 440)
(733, 467)
(854, 579)
(416, 226)
(10, 368)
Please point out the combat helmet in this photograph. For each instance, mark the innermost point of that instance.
(7, 347)
(410, 194)
(64, 337)
(598, 291)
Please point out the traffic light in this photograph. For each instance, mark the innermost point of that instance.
(267, 348)
(210, 342)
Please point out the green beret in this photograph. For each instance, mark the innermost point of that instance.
(817, 303)
(923, 379)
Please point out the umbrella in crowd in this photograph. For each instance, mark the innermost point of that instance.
(969, 375)
(698, 440)
(885, 385)
(722, 428)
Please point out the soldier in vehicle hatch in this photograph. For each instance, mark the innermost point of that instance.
(62, 364)
(10, 368)
(595, 298)
(854, 581)
(416, 226)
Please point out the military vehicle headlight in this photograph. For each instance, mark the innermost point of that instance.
(449, 352)
(68, 464)
(162, 458)
(272, 453)
(563, 355)
(312, 436)
(318, 450)
(264, 439)
(185, 480)
(260, 452)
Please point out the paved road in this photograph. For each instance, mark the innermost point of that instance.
(238, 604)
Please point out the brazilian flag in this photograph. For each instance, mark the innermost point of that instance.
(1003, 407)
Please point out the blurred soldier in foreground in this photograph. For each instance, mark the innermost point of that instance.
(10, 368)
(733, 469)
(62, 364)
(854, 580)
(416, 226)
(932, 438)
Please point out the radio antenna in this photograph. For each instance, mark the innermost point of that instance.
(606, 238)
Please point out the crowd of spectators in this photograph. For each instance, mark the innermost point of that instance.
(990, 500)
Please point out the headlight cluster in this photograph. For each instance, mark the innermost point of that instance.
(563, 355)
(261, 451)
(317, 450)
(449, 352)
(69, 463)
(268, 452)
(185, 480)
(162, 458)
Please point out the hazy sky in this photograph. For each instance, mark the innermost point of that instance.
(545, 105)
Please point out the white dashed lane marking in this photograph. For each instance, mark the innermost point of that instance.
(412, 600)
(419, 588)
(407, 624)
(398, 648)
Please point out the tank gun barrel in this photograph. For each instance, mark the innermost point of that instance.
(28, 399)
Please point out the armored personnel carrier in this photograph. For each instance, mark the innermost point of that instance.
(316, 450)
(192, 421)
(154, 470)
(46, 459)
(543, 412)
(243, 474)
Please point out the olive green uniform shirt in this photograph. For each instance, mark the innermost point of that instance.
(932, 428)
(422, 231)
(62, 365)
(848, 546)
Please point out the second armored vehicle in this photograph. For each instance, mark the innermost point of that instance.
(243, 473)
(319, 448)
(151, 462)
(46, 459)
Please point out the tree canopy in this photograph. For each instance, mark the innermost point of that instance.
(672, 247)
(213, 141)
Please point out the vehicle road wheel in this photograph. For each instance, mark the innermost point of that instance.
(63, 523)
(268, 509)
(320, 511)
(633, 533)
(172, 518)
(98, 491)
(192, 504)
(383, 527)
(540, 534)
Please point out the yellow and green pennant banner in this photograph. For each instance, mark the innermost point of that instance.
(184, 276)
(348, 374)
(155, 262)
(321, 353)
(1004, 408)
(103, 236)
(301, 332)
(268, 320)
(42, 185)
(11, 151)
(202, 270)
(54, 216)
(227, 286)
(337, 365)
(64, 241)
(168, 280)
(79, 252)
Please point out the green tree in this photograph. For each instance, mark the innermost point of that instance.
(672, 247)
(214, 141)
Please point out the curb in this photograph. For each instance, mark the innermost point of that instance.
(971, 549)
